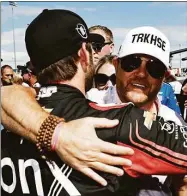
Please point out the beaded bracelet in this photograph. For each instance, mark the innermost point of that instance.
(45, 134)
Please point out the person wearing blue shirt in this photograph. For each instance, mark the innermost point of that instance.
(167, 97)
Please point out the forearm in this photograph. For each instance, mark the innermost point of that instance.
(20, 107)
(12, 125)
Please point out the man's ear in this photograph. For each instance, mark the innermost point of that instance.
(115, 62)
(84, 56)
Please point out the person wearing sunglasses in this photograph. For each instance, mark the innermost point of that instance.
(105, 74)
(102, 49)
(104, 82)
(29, 75)
(7, 74)
(141, 65)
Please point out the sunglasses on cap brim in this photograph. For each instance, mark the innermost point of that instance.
(99, 46)
(155, 67)
(102, 79)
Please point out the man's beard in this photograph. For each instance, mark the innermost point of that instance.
(89, 74)
(7, 82)
(139, 99)
(128, 93)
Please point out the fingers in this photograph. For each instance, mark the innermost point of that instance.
(113, 160)
(107, 168)
(93, 175)
(114, 149)
(102, 122)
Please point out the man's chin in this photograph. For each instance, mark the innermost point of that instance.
(137, 98)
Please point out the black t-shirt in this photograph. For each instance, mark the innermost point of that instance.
(155, 142)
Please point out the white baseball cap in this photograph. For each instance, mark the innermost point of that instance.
(146, 40)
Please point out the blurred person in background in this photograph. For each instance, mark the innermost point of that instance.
(104, 81)
(105, 74)
(106, 48)
(167, 97)
(176, 85)
(7, 74)
(29, 75)
(184, 93)
(184, 87)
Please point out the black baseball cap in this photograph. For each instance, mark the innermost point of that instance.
(56, 34)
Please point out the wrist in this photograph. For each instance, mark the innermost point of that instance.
(45, 133)
(55, 136)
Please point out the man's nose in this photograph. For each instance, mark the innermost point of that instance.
(142, 71)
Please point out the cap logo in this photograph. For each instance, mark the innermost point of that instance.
(81, 31)
(150, 39)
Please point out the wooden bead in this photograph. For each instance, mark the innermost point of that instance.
(45, 134)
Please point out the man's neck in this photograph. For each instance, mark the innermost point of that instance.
(151, 107)
(78, 81)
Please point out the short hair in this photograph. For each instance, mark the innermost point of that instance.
(105, 59)
(62, 70)
(4, 67)
(107, 31)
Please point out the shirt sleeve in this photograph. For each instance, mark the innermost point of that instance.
(160, 146)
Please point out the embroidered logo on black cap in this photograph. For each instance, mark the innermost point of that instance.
(81, 31)
(150, 39)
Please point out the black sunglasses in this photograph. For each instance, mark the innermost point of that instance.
(102, 79)
(98, 46)
(155, 68)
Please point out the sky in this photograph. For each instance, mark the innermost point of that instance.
(120, 17)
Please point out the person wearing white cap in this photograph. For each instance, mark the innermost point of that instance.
(141, 66)
(142, 62)
(143, 59)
